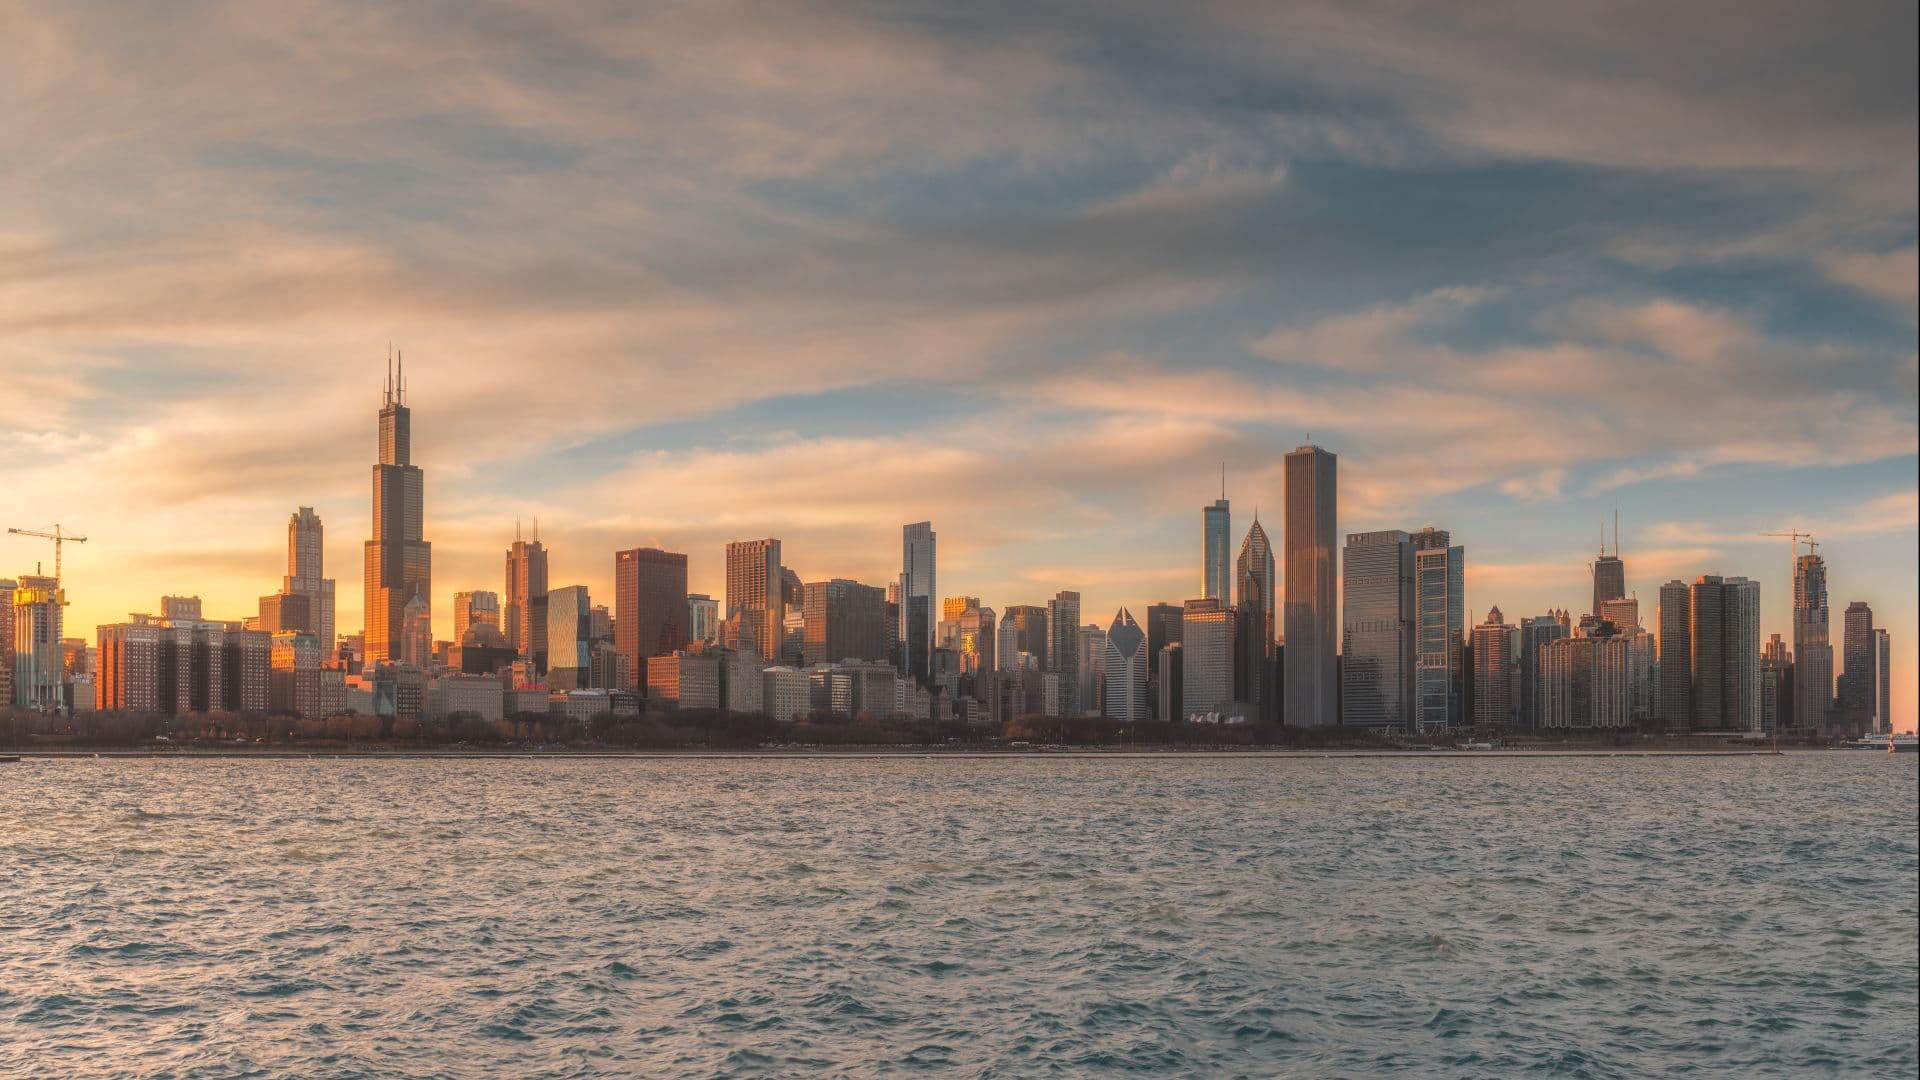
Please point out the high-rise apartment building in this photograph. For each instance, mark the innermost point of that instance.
(1585, 680)
(753, 591)
(1440, 616)
(1725, 633)
(1377, 633)
(917, 595)
(1125, 686)
(168, 666)
(38, 619)
(569, 638)
(1675, 705)
(399, 561)
(1812, 644)
(1311, 665)
(1776, 686)
(7, 588)
(1216, 549)
(1882, 681)
(843, 620)
(1857, 661)
(1063, 648)
(1536, 633)
(650, 606)
(1496, 671)
(703, 618)
(524, 619)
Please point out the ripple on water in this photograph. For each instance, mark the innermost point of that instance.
(1227, 915)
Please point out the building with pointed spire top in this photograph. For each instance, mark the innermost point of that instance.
(1254, 580)
(399, 561)
(1124, 691)
(1609, 573)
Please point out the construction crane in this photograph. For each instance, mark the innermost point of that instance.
(58, 539)
(1793, 545)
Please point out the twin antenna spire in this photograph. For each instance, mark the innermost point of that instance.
(396, 388)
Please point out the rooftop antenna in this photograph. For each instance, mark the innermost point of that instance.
(1223, 479)
(400, 388)
(1616, 531)
(516, 528)
(536, 528)
(388, 389)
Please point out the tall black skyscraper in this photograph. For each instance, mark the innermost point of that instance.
(399, 561)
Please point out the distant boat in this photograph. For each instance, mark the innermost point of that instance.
(1890, 744)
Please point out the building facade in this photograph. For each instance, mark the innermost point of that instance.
(1309, 685)
(1377, 631)
(918, 592)
(1440, 616)
(843, 620)
(1125, 685)
(650, 607)
(1812, 644)
(399, 561)
(753, 592)
(569, 638)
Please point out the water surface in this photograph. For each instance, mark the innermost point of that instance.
(1205, 915)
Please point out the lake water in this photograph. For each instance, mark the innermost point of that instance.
(1218, 915)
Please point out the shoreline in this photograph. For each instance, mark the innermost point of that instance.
(859, 753)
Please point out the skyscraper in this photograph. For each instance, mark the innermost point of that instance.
(1206, 657)
(306, 572)
(650, 606)
(1163, 629)
(1675, 705)
(1725, 632)
(569, 637)
(1029, 622)
(1440, 616)
(1812, 644)
(1063, 648)
(1254, 580)
(1609, 574)
(844, 620)
(1309, 685)
(917, 593)
(525, 616)
(399, 561)
(1496, 671)
(753, 591)
(1882, 677)
(1126, 671)
(1536, 633)
(703, 618)
(1216, 547)
(1857, 691)
(38, 618)
(1377, 635)
(7, 588)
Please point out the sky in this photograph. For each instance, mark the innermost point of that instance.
(678, 274)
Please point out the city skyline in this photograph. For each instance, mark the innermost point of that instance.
(1034, 292)
(1725, 687)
